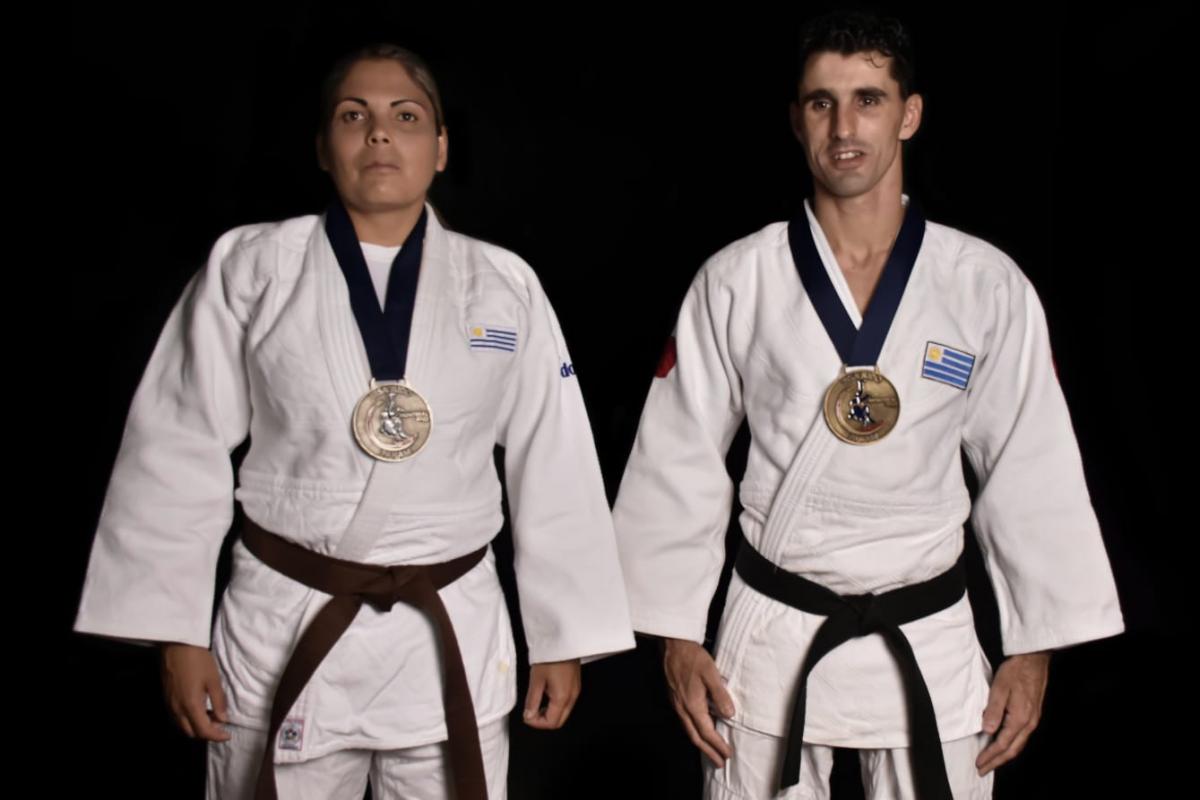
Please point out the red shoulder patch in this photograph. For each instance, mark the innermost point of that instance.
(667, 361)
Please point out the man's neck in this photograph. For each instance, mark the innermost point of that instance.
(860, 230)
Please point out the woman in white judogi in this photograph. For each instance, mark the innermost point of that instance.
(265, 342)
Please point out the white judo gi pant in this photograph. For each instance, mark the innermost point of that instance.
(412, 773)
(753, 772)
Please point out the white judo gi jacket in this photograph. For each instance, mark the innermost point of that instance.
(864, 518)
(264, 342)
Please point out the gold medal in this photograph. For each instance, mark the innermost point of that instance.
(861, 406)
(392, 422)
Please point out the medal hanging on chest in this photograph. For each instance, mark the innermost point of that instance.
(861, 406)
(392, 421)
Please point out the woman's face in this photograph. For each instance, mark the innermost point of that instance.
(382, 147)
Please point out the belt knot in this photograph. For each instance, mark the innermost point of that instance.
(866, 611)
(390, 586)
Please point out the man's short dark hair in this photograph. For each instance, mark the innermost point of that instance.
(849, 32)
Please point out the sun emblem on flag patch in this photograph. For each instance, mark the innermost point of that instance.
(492, 337)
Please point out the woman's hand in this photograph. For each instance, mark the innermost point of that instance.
(189, 676)
(556, 684)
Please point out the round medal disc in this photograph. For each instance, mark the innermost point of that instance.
(392, 422)
(861, 406)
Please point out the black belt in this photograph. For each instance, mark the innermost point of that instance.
(853, 615)
(351, 585)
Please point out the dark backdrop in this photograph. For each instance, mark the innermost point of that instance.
(615, 149)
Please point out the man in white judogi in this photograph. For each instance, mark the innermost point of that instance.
(854, 489)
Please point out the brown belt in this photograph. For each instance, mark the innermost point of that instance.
(351, 585)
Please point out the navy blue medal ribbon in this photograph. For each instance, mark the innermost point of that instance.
(384, 331)
(859, 347)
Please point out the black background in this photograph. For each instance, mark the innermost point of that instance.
(615, 148)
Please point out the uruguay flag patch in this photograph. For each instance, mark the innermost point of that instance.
(947, 365)
(491, 337)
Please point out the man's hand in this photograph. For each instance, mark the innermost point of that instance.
(189, 676)
(1014, 707)
(558, 682)
(693, 679)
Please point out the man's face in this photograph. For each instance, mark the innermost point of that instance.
(382, 147)
(851, 120)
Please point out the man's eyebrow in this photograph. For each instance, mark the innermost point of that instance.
(825, 94)
(822, 94)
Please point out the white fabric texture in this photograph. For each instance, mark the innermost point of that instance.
(413, 773)
(753, 772)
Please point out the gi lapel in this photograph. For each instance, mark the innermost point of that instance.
(810, 460)
(351, 371)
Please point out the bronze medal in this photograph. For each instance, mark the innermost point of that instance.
(861, 406)
(392, 421)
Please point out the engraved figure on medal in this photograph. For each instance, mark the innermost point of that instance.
(861, 406)
(392, 422)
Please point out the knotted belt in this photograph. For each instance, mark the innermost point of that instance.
(851, 616)
(351, 585)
